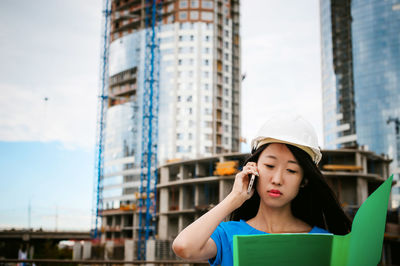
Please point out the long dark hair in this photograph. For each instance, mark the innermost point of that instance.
(315, 204)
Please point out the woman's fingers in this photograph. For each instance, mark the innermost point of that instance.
(250, 168)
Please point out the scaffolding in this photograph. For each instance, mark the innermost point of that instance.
(148, 176)
(101, 119)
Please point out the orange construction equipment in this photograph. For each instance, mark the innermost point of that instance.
(226, 168)
(341, 167)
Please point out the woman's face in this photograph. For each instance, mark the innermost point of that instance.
(280, 176)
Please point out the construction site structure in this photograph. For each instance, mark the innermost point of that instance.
(189, 50)
(189, 188)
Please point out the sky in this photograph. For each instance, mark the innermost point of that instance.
(49, 79)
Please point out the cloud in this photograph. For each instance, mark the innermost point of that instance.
(68, 115)
(56, 57)
(281, 58)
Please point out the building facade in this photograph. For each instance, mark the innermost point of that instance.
(199, 96)
(360, 75)
(190, 188)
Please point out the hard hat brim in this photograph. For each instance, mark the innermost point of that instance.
(315, 154)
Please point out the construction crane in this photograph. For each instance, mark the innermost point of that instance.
(148, 164)
(101, 120)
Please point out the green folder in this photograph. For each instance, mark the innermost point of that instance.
(362, 246)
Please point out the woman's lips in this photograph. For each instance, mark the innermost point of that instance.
(274, 193)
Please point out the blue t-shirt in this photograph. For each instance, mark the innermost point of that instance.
(223, 238)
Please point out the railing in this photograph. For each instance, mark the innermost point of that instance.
(103, 262)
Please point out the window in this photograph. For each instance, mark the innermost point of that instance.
(191, 49)
(207, 38)
(206, 99)
(226, 56)
(226, 104)
(179, 98)
(194, 15)
(208, 136)
(206, 62)
(183, 15)
(180, 38)
(226, 68)
(194, 3)
(190, 110)
(206, 86)
(190, 74)
(226, 33)
(207, 149)
(183, 3)
(206, 50)
(191, 37)
(190, 136)
(205, 74)
(179, 149)
(191, 61)
(226, 92)
(179, 136)
(189, 98)
(207, 124)
(226, 79)
(180, 62)
(207, 111)
(206, 4)
(226, 44)
(206, 15)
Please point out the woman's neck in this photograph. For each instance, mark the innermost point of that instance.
(278, 220)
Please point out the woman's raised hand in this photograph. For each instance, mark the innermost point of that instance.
(242, 179)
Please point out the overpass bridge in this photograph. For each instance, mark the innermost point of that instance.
(38, 243)
(28, 235)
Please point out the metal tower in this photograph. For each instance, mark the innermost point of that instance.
(148, 177)
(101, 119)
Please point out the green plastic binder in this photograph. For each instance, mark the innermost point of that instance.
(362, 246)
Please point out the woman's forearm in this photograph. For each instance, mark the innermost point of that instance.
(193, 242)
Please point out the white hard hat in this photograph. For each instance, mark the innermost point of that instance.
(289, 129)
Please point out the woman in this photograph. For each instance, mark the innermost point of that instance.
(290, 195)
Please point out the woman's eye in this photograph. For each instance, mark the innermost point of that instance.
(269, 166)
(291, 171)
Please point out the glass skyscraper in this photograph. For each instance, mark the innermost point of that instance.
(360, 46)
(360, 73)
(199, 100)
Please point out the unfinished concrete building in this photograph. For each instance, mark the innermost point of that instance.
(187, 189)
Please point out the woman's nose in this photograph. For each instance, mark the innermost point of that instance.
(277, 177)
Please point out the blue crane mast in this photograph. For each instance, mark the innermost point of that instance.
(148, 164)
(101, 120)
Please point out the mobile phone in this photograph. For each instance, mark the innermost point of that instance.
(251, 183)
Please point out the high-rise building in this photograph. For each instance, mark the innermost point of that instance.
(360, 69)
(199, 95)
(360, 75)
